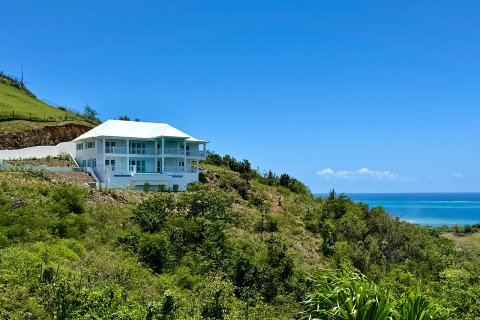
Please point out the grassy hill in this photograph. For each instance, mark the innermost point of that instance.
(21, 111)
(13, 99)
(238, 245)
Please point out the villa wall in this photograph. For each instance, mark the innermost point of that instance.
(38, 151)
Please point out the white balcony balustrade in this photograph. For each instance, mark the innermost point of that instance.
(174, 151)
(174, 169)
(116, 150)
(148, 151)
(154, 151)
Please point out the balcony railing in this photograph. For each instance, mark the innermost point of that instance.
(174, 169)
(123, 150)
(174, 151)
(120, 170)
(154, 151)
(116, 150)
(132, 170)
(149, 151)
(195, 153)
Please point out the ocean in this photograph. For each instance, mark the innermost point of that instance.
(433, 209)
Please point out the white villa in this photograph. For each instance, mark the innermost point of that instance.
(127, 153)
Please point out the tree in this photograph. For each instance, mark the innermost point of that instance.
(124, 118)
(90, 113)
(285, 180)
(152, 213)
(213, 158)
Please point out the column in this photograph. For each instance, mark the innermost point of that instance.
(163, 154)
(185, 155)
(103, 156)
(128, 155)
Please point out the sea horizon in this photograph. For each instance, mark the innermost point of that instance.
(425, 208)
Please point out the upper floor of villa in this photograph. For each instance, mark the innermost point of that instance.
(139, 139)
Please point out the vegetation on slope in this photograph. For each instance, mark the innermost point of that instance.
(239, 245)
(26, 121)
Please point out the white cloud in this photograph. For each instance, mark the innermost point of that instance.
(458, 175)
(360, 174)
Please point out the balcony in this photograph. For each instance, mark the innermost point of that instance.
(116, 150)
(138, 151)
(174, 151)
(147, 151)
(174, 169)
(155, 151)
(195, 153)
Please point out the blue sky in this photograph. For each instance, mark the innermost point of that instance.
(362, 96)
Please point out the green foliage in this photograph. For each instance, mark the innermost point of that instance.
(68, 199)
(152, 213)
(343, 294)
(216, 297)
(417, 307)
(146, 187)
(154, 250)
(347, 295)
(237, 246)
(245, 169)
(90, 113)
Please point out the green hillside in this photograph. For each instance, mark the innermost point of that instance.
(21, 113)
(15, 100)
(238, 245)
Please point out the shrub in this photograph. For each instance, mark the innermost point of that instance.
(152, 213)
(67, 198)
(146, 186)
(213, 158)
(175, 188)
(154, 251)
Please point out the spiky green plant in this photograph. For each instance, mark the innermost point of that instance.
(348, 295)
(344, 294)
(417, 307)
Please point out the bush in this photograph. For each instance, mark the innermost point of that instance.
(152, 213)
(146, 187)
(175, 188)
(154, 251)
(67, 198)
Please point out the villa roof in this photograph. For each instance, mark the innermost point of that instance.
(135, 130)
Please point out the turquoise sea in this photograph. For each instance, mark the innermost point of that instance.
(434, 209)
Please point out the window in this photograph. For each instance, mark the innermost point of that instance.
(84, 163)
(159, 166)
(90, 144)
(139, 165)
(80, 146)
(137, 147)
(111, 164)
(181, 163)
(94, 163)
(89, 163)
(109, 146)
